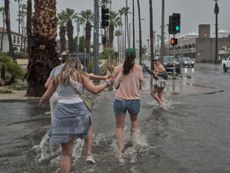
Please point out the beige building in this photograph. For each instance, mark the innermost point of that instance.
(201, 46)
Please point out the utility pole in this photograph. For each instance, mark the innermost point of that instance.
(140, 33)
(133, 25)
(151, 33)
(162, 29)
(216, 11)
(96, 37)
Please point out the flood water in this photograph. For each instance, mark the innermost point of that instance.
(190, 136)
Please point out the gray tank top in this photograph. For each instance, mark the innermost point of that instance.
(70, 91)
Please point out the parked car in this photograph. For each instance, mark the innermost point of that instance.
(169, 62)
(186, 62)
(226, 64)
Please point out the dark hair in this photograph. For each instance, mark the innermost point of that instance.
(64, 58)
(128, 64)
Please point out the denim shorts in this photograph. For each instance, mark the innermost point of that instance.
(122, 106)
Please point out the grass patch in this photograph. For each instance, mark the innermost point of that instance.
(6, 91)
(17, 87)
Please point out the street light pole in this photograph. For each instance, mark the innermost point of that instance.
(216, 11)
(162, 49)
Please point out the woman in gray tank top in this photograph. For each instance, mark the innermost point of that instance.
(71, 119)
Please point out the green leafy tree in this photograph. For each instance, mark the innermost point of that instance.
(8, 66)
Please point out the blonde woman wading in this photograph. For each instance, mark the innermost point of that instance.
(71, 119)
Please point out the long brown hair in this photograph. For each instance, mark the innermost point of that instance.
(72, 65)
(129, 61)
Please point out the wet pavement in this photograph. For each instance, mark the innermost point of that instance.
(191, 135)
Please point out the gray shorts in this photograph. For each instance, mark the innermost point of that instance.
(122, 106)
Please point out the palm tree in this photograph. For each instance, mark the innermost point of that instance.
(8, 28)
(43, 56)
(87, 17)
(2, 10)
(78, 22)
(70, 16)
(124, 11)
(62, 28)
(114, 21)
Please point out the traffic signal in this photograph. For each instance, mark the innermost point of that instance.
(104, 16)
(173, 41)
(174, 23)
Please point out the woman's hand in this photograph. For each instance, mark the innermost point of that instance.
(42, 102)
(110, 81)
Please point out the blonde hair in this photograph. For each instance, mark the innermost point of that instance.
(72, 65)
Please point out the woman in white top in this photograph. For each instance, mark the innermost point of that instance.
(71, 117)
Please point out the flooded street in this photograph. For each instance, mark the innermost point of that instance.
(190, 136)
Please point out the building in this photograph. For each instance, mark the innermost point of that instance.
(200, 46)
(17, 41)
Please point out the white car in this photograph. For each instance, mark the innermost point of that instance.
(226, 64)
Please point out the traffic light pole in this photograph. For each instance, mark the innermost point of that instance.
(96, 38)
(162, 50)
(216, 11)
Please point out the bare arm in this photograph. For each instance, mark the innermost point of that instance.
(48, 81)
(50, 90)
(96, 77)
(89, 85)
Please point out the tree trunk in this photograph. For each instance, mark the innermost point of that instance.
(43, 56)
(111, 35)
(88, 37)
(7, 13)
(3, 26)
(62, 38)
(70, 36)
(29, 26)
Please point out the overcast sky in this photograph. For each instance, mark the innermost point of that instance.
(193, 13)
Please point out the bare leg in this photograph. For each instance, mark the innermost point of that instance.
(66, 157)
(89, 141)
(120, 121)
(134, 128)
(134, 122)
(88, 144)
(160, 94)
(154, 94)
